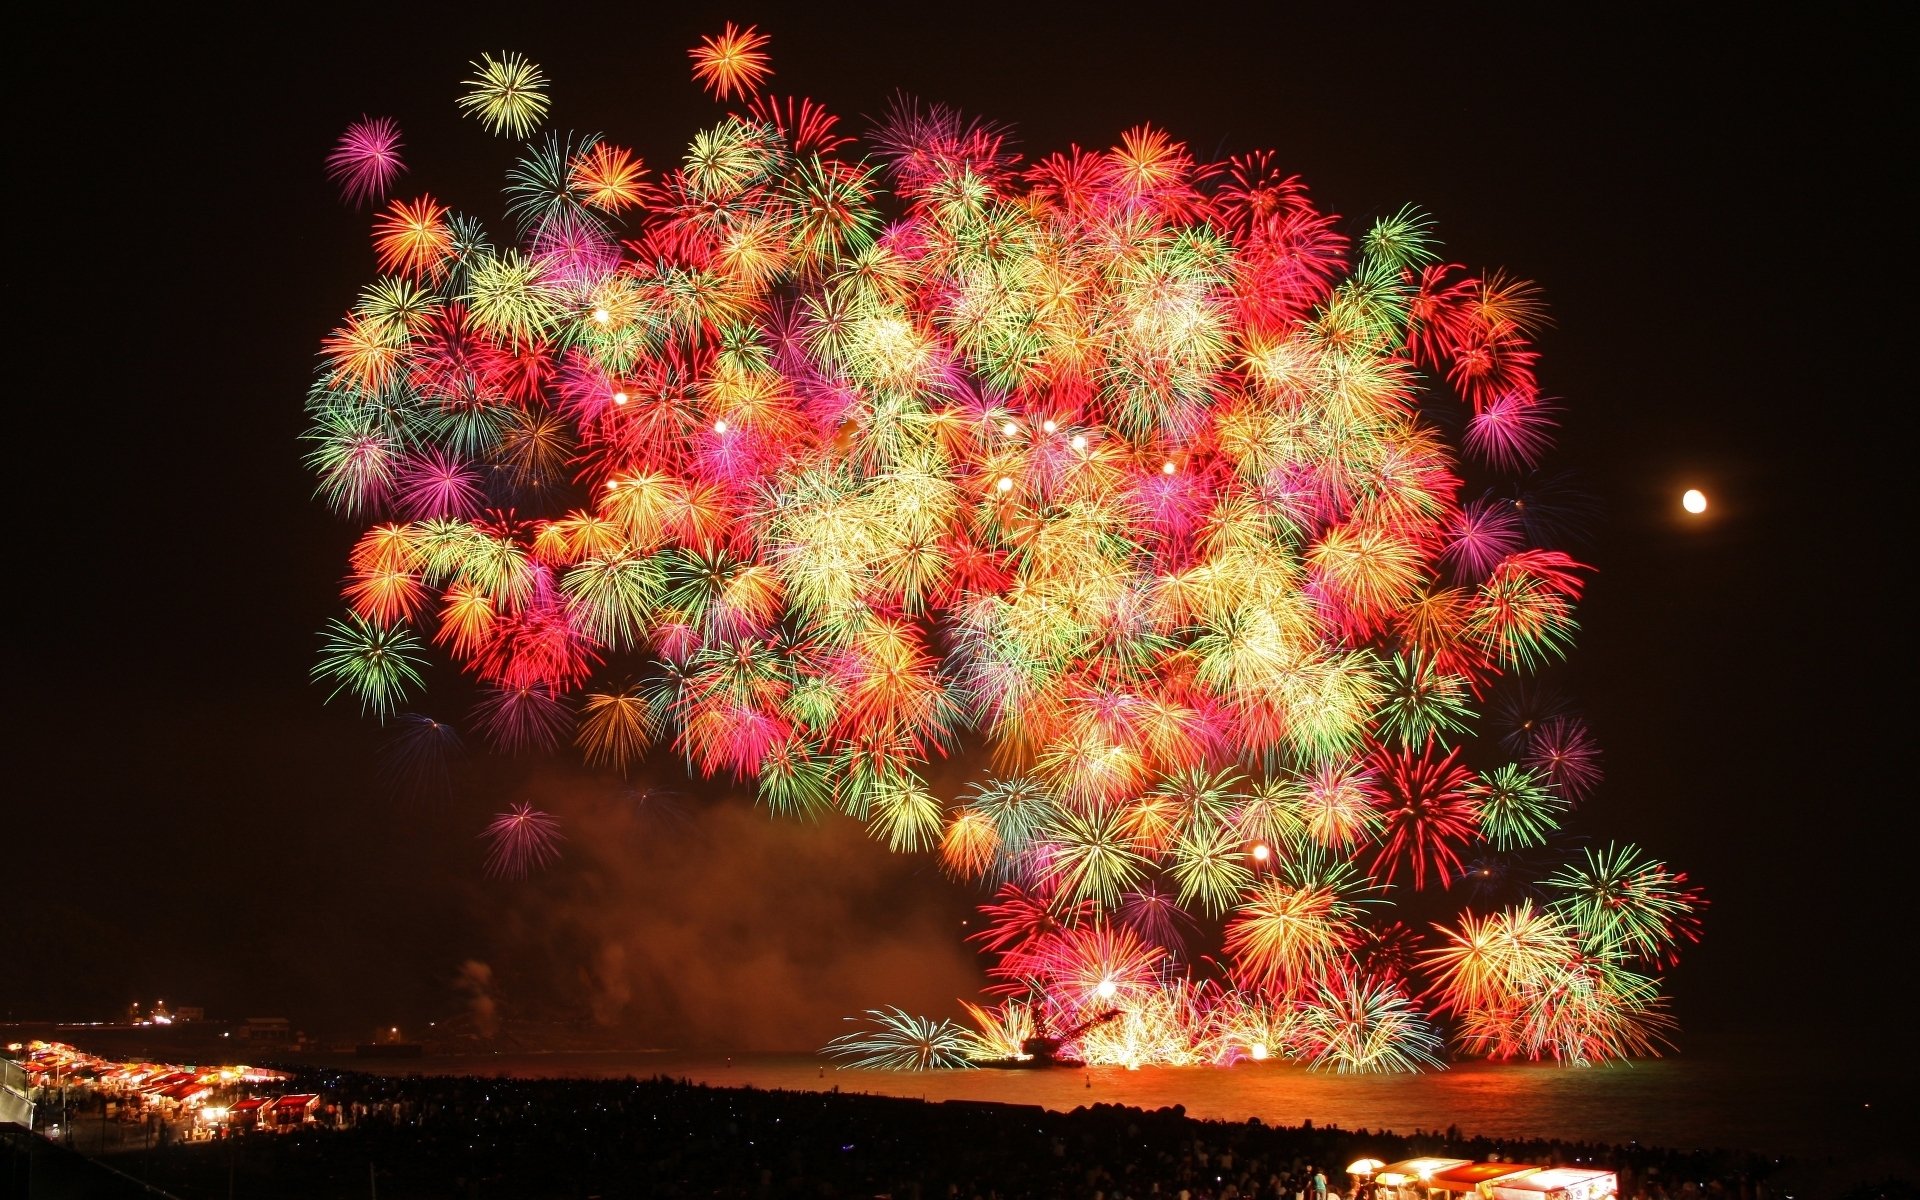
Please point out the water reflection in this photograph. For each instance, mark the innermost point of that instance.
(1733, 1095)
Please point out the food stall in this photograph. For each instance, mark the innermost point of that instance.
(1407, 1179)
(245, 1114)
(1471, 1179)
(1556, 1183)
(182, 1097)
(290, 1112)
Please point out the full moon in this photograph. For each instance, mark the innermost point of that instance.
(1695, 501)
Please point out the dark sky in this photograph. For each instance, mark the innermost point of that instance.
(1710, 206)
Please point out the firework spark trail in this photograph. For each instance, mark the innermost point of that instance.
(804, 466)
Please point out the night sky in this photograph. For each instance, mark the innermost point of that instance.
(1709, 205)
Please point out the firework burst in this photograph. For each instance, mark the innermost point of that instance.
(377, 663)
(1367, 1026)
(507, 94)
(366, 160)
(732, 62)
(418, 758)
(521, 840)
(897, 1041)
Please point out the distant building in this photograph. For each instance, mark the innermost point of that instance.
(164, 1014)
(265, 1029)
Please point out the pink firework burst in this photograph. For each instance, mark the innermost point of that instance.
(521, 839)
(437, 483)
(1566, 751)
(1513, 430)
(366, 160)
(574, 250)
(523, 719)
(1481, 534)
(1157, 916)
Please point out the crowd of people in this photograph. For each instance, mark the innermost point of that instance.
(446, 1136)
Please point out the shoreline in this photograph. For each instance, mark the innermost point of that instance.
(1539, 1104)
(576, 1136)
(1741, 1103)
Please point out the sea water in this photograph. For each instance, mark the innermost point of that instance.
(1734, 1095)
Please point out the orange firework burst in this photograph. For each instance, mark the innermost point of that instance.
(608, 177)
(414, 238)
(732, 63)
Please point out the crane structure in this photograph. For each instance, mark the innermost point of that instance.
(1043, 1050)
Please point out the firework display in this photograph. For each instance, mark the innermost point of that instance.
(1213, 544)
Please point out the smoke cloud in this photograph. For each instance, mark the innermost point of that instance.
(476, 981)
(683, 921)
